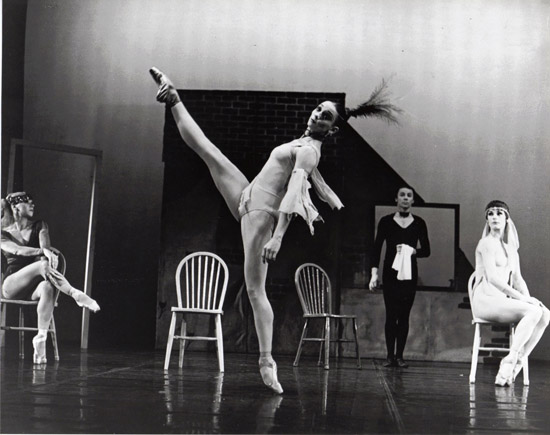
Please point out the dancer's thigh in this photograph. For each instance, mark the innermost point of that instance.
(256, 230)
(500, 309)
(20, 284)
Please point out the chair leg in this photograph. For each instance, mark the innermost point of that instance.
(321, 347)
(3, 324)
(21, 333)
(219, 336)
(53, 333)
(475, 353)
(327, 341)
(358, 355)
(299, 352)
(337, 343)
(170, 341)
(183, 333)
(525, 370)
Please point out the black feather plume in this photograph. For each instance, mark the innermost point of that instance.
(377, 105)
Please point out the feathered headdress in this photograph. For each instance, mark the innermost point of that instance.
(377, 105)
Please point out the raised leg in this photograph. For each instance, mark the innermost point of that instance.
(170, 341)
(229, 180)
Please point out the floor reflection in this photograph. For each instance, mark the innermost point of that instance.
(83, 387)
(510, 408)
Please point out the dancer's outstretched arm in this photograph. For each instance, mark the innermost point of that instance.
(306, 160)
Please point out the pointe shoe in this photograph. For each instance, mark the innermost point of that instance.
(85, 301)
(167, 92)
(505, 373)
(39, 345)
(268, 370)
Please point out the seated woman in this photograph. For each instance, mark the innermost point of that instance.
(500, 293)
(31, 271)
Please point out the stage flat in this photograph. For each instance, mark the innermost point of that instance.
(116, 391)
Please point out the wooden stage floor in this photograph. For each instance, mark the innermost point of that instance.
(117, 391)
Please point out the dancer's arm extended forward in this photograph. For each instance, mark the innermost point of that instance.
(306, 160)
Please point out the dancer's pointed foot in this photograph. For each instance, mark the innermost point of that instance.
(268, 370)
(39, 345)
(505, 372)
(167, 92)
(85, 301)
(81, 298)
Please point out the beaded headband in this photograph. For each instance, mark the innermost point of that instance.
(18, 198)
(502, 209)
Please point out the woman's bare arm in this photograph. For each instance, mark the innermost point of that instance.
(10, 247)
(488, 251)
(517, 278)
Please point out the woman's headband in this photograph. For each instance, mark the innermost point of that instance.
(498, 205)
(18, 198)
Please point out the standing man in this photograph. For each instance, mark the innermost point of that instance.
(406, 237)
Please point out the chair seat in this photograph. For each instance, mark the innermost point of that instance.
(332, 316)
(488, 322)
(195, 310)
(20, 302)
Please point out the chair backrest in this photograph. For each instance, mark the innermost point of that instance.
(201, 281)
(61, 267)
(62, 263)
(471, 285)
(314, 289)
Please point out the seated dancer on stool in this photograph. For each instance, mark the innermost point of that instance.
(31, 271)
(266, 205)
(402, 232)
(501, 294)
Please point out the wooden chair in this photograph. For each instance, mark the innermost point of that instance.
(315, 293)
(21, 304)
(204, 277)
(477, 338)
